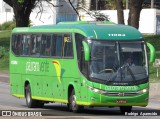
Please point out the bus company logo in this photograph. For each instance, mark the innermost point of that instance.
(120, 94)
(121, 88)
(37, 66)
(57, 66)
(117, 35)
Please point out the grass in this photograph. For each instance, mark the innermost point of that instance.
(5, 34)
(153, 74)
(5, 41)
(153, 70)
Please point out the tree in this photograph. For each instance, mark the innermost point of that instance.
(81, 6)
(98, 4)
(23, 8)
(120, 15)
(135, 7)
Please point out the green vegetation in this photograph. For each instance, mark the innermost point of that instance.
(5, 41)
(155, 41)
(7, 25)
(5, 38)
(153, 74)
(4, 58)
(4, 50)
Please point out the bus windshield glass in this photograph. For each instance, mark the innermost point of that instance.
(118, 62)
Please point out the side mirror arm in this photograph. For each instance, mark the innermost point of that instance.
(152, 52)
(86, 51)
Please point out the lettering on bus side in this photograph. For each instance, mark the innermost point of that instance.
(37, 66)
(44, 67)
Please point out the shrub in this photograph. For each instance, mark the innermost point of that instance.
(8, 25)
(2, 50)
(4, 58)
(0, 27)
(5, 38)
(154, 40)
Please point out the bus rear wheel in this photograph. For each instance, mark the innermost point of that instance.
(31, 103)
(72, 103)
(124, 109)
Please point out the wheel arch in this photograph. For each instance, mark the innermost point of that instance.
(25, 84)
(70, 88)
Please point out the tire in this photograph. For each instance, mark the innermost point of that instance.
(31, 103)
(124, 109)
(72, 106)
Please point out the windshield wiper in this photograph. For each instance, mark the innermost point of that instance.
(130, 71)
(112, 78)
(114, 70)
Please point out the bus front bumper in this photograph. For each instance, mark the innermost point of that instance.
(95, 99)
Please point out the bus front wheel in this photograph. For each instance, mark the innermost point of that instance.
(124, 109)
(31, 103)
(72, 103)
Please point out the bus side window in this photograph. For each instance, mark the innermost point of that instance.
(46, 45)
(68, 48)
(53, 45)
(25, 45)
(35, 45)
(57, 45)
(16, 44)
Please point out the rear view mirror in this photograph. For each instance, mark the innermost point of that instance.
(86, 51)
(152, 52)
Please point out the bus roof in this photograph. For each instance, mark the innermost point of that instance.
(92, 30)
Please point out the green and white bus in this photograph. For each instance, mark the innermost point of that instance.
(80, 64)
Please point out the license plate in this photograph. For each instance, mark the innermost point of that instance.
(121, 101)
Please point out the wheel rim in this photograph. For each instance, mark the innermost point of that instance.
(73, 102)
(28, 97)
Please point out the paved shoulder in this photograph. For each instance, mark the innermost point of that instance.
(4, 77)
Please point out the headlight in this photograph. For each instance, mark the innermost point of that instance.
(96, 90)
(143, 91)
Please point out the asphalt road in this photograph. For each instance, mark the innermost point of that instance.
(56, 110)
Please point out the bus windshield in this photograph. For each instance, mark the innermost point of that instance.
(118, 62)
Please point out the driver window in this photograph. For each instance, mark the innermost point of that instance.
(82, 64)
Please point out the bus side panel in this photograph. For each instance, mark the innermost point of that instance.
(16, 84)
(84, 89)
(71, 76)
(15, 76)
(36, 85)
(54, 79)
(40, 85)
(42, 76)
(52, 88)
(47, 86)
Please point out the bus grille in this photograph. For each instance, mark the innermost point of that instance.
(121, 93)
